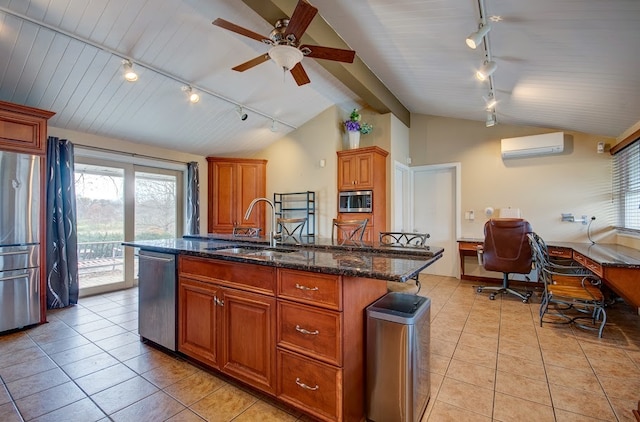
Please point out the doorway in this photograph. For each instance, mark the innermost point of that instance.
(435, 192)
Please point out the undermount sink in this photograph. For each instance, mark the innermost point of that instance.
(252, 251)
(272, 252)
(236, 249)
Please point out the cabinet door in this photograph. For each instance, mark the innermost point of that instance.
(346, 173)
(364, 171)
(197, 321)
(222, 202)
(250, 185)
(23, 129)
(249, 332)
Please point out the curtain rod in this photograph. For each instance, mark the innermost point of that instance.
(129, 154)
(141, 64)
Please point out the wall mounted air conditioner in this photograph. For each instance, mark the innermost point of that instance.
(528, 146)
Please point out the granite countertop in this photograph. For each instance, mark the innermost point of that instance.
(358, 260)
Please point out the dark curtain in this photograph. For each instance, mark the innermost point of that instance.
(193, 198)
(61, 237)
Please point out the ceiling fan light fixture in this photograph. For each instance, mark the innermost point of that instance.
(475, 39)
(486, 70)
(194, 97)
(129, 73)
(285, 56)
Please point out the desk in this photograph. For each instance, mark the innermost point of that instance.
(618, 266)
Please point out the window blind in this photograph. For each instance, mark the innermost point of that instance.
(626, 186)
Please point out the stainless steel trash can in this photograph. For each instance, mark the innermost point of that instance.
(398, 381)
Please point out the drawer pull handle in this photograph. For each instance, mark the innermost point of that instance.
(303, 331)
(218, 301)
(303, 385)
(301, 287)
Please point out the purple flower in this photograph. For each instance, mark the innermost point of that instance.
(352, 126)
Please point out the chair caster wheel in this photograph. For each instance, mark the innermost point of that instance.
(526, 300)
(492, 297)
(479, 290)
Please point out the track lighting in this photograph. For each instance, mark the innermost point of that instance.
(129, 74)
(474, 39)
(241, 113)
(193, 96)
(491, 118)
(486, 70)
(490, 101)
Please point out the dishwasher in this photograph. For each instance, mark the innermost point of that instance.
(157, 292)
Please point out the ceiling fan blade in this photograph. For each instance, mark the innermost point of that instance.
(301, 18)
(238, 29)
(251, 63)
(300, 75)
(328, 53)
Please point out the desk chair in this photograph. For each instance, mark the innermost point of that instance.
(291, 228)
(407, 240)
(348, 230)
(506, 249)
(570, 295)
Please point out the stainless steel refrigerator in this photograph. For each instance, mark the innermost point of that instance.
(19, 240)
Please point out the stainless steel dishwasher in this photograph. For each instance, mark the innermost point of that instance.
(157, 293)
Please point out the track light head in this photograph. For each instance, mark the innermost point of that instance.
(194, 97)
(274, 125)
(241, 113)
(486, 70)
(475, 39)
(491, 118)
(129, 73)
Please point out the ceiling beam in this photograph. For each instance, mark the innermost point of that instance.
(356, 76)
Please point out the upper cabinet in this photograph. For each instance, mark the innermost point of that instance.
(23, 129)
(362, 168)
(233, 184)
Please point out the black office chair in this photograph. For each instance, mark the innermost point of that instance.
(348, 230)
(506, 249)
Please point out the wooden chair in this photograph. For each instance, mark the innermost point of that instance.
(348, 230)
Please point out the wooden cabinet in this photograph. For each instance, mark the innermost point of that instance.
(365, 169)
(233, 184)
(228, 324)
(320, 342)
(23, 129)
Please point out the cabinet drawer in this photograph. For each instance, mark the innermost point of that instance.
(315, 289)
(310, 385)
(588, 263)
(559, 252)
(311, 331)
(256, 278)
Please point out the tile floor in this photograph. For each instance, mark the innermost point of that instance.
(490, 361)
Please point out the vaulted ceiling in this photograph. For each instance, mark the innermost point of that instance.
(565, 64)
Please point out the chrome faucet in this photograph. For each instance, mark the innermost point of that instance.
(273, 235)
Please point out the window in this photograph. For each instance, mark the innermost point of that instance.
(626, 186)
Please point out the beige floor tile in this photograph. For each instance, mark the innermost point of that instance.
(564, 416)
(620, 368)
(479, 342)
(11, 358)
(224, 404)
(597, 351)
(118, 340)
(75, 354)
(104, 333)
(507, 408)
(64, 344)
(168, 374)
(159, 406)
(445, 412)
(89, 365)
(25, 369)
(4, 395)
(94, 325)
(622, 388)
(477, 356)
(521, 366)
(557, 357)
(519, 349)
(105, 378)
(479, 375)
(130, 350)
(49, 400)
(264, 412)
(187, 415)
(81, 411)
(443, 332)
(439, 364)
(124, 394)
(581, 402)
(26, 386)
(9, 413)
(10, 343)
(194, 387)
(523, 387)
(622, 408)
(466, 396)
(442, 347)
(573, 378)
(148, 361)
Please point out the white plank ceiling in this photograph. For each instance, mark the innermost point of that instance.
(565, 64)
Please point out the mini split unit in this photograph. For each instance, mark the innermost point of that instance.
(530, 146)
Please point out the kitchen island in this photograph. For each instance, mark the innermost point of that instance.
(287, 320)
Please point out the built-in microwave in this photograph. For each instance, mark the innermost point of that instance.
(355, 201)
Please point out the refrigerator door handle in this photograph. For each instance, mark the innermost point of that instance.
(24, 252)
(14, 277)
(155, 258)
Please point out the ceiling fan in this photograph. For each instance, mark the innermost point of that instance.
(284, 41)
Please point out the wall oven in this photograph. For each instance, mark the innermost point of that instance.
(355, 201)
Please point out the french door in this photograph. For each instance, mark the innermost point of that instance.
(117, 202)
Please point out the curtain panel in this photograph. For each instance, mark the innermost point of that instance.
(193, 198)
(61, 235)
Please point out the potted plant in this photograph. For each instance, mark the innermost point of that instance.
(355, 127)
